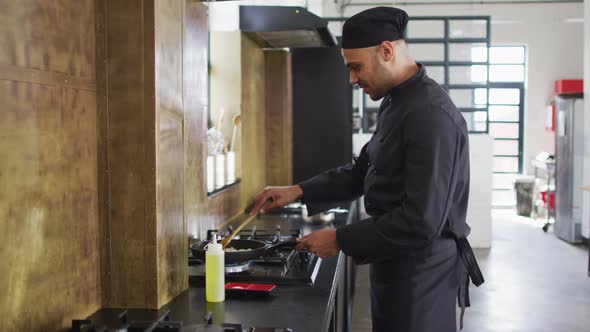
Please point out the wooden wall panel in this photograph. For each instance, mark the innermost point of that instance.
(48, 36)
(48, 184)
(171, 235)
(196, 96)
(130, 135)
(221, 207)
(279, 118)
(152, 139)
(102, 149)
(149, 155)
(254, 136)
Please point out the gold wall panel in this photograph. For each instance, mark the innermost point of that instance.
(149, 131)
(48, 185)
(221, 207)
(279, 118)
(103, 173)
(129, 244)
(254, 137)
(195, 95)
(102, 151)
(19, 74)
(48, 206)
(171, 234)
(49, 36)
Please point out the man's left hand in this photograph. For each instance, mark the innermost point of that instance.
(322, 243)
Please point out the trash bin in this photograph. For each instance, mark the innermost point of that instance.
(524, 186)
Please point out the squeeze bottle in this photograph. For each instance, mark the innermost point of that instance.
(214, 272)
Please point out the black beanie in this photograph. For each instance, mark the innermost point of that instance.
(373, 26)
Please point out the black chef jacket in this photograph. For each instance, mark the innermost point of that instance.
(414, 174)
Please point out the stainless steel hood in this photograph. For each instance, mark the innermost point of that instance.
(285, 27)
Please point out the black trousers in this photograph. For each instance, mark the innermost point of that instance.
(417, 293)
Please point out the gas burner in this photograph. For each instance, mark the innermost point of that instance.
(268, 236)
(237, 267)
(109, 320)
(281, 266)
(121, 322)
(274, 255)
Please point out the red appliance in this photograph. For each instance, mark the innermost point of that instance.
(564, 87)
(569, 87)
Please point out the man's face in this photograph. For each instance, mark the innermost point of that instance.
(366, 70)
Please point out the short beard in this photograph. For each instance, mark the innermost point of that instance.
(376, 97)
(379, 69)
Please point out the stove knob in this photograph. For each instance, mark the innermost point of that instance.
(303, 257)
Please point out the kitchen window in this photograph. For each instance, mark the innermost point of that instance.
(454, 53)
(507, 73)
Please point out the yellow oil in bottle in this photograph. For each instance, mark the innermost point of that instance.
(215, 272)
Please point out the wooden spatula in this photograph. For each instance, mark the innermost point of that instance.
(228, 239)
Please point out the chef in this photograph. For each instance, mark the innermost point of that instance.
(414, 175)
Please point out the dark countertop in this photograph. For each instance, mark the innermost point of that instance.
(304, 308)
(300, 307)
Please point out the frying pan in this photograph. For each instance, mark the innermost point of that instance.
(253, 249)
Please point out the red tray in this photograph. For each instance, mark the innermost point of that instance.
(248, 288)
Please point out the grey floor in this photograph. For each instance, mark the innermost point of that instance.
(534, 283)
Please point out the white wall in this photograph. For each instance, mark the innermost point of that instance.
(479, 212)
(555, 50)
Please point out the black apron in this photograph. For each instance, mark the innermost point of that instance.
(419, 292)
(416, 293)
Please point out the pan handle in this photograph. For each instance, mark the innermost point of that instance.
(286, 243)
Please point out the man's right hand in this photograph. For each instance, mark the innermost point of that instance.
(276, 197)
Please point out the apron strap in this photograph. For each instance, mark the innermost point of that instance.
(469, 272)
(463, 296)
(467, 256)
(469, 261)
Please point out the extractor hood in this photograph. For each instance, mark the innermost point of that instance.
(285, 27)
